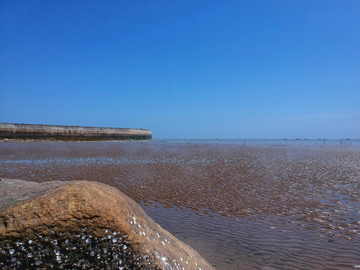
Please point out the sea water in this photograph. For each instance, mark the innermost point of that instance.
(242, 204)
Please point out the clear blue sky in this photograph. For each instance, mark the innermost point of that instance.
(184, 69)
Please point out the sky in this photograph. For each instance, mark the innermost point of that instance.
(184, 69)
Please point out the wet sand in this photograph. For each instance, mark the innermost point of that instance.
(241, 207)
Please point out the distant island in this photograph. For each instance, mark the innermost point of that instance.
(71, 133)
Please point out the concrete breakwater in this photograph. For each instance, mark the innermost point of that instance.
(78, 133)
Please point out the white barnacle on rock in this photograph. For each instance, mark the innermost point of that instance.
(176, 262)
(157, 254)
(19, 243)
(164, 260)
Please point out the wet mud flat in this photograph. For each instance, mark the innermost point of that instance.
(241, 207)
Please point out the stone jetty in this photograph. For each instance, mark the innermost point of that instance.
(77, 133)
(83, 225)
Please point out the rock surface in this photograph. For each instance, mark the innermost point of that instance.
(83, 224)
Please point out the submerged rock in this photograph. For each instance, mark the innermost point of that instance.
(83, 225)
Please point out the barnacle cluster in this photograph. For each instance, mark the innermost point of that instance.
(72, 250)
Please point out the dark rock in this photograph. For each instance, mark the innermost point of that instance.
(83, 225)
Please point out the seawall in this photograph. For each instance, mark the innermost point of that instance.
(58, 132)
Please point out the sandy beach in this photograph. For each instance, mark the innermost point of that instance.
(241, 207)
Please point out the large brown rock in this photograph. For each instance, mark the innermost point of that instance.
(83, 225)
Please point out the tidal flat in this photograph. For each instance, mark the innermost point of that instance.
(280, 206)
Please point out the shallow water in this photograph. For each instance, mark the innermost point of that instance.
(243, 243)
(285, 206)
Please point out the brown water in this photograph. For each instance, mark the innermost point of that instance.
(241, 207)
